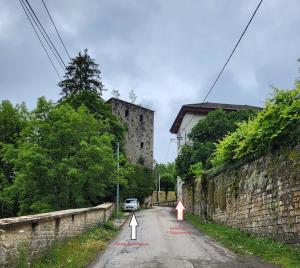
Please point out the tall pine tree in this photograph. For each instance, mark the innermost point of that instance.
(82, 86)
(82, 76)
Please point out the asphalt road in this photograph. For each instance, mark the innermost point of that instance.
(163, 242)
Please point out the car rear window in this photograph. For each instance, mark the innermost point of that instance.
(130, 201)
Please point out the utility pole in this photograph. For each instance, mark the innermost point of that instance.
(158, 188)
(156, 183)
(118, 186)
(179, 181)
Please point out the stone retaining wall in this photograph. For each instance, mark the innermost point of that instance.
(36, 232)
(261, 197)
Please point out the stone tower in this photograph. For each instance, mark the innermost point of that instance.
(139, 136)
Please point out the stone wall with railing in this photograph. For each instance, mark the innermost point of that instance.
(35, 233)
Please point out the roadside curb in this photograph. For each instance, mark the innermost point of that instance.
(119, 223)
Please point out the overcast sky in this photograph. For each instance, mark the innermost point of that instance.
(168, 51)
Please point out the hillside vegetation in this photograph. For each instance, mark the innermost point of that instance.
(275, 126)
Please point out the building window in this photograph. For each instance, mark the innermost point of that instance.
(141, 118)
(126, 113)
(142, 145)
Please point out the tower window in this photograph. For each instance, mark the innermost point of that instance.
(126, 113)
(142, 145)
(141, 118)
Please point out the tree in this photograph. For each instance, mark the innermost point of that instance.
(217, 124)
(204, 136)
(137, 181)
(183, 162)
(276, 126)
(12, 121)
(115, 93)
(132, 96)
(64, 160)
(167, 176)
(167, 183)
(83, 86)
(82, 75)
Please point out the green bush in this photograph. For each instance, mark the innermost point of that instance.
(275, 126)
(204, 136)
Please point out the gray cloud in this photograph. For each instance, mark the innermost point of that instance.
(168, 51)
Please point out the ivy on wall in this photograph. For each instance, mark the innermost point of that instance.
(275, 126)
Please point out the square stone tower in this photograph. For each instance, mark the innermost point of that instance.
(139, 136)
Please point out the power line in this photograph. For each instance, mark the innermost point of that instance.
(37, 19)
(227, 61)
(53, 65)
(56, 29)
(235, 47)
(42, 33)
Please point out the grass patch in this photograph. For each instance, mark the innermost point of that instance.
(248, 244)
(121, 213)
(78, 251)
(23, 254)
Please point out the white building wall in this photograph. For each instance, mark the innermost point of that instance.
(188, 122)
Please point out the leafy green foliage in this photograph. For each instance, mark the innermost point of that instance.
(217, 124)
(197, 170)
(12, 121)
(82, 75)
(183, 162)
(64, 160)
(100, 110)
(167, 182)
(167, 176)
(204, 136)
(82, 86)
(135, 181)
(277, 125)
